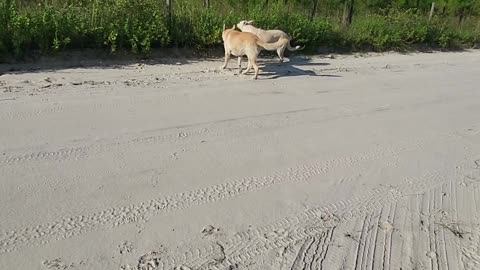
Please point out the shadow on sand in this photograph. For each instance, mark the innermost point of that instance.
(95, 59)
(274, 70)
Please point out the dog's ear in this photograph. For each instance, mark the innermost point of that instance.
(249, 22)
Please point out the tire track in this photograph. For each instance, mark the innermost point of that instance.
(434, 232)
(104, 85)
(418, 207)
(372, 247)
(9, 115)
(308, 224)
(362, 242)
(471, 251)
(87, 106)
(173, 135)
(242, 125)
(71, 226)
(457, 224)
(85, 151)
(306, 227)
(387, 236)
(313, 251)
(299, 227)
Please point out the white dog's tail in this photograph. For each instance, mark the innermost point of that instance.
(273, 46)
(290, 48)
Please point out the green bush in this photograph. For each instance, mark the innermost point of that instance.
(401, 30)
(134, 24)
(198, 28)
(139, 25)
(397, 30)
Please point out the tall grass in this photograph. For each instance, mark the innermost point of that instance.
(47, 27)
(403, 30)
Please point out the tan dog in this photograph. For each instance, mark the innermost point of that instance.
(242, 43)
(269, 36)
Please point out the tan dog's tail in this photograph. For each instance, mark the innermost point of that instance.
(273, 46)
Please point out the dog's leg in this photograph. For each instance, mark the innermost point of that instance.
(255, 67)
(239, 64)
(249, 65)
(280, 52)
(227, 58)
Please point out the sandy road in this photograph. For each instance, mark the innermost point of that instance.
(347, 163)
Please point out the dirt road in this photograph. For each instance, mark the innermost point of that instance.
(345, 163)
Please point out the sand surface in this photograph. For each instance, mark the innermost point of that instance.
(345, 163)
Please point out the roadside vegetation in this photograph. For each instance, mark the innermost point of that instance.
(49, 26)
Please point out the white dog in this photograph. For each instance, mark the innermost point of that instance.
(242, 43)
(268, 36)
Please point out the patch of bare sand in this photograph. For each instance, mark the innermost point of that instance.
(323, 163)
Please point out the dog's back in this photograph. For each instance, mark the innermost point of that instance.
(267, 36)
(243, 38)
(240, 43)
(272, 35)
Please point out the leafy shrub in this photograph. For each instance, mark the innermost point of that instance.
(135, 24)
(139, 25)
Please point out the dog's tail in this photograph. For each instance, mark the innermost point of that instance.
(273, 46)
(225, 27)
(296, 48)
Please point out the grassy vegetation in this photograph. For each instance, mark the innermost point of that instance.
(49, 26)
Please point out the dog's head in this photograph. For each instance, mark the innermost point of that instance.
(241, 24)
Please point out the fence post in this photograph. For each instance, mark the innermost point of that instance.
(461, 15)
(348, 13)
(431, 11)
(169, 14)
(314, 9)
(207, 3)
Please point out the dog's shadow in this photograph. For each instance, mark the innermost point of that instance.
(272, 69)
